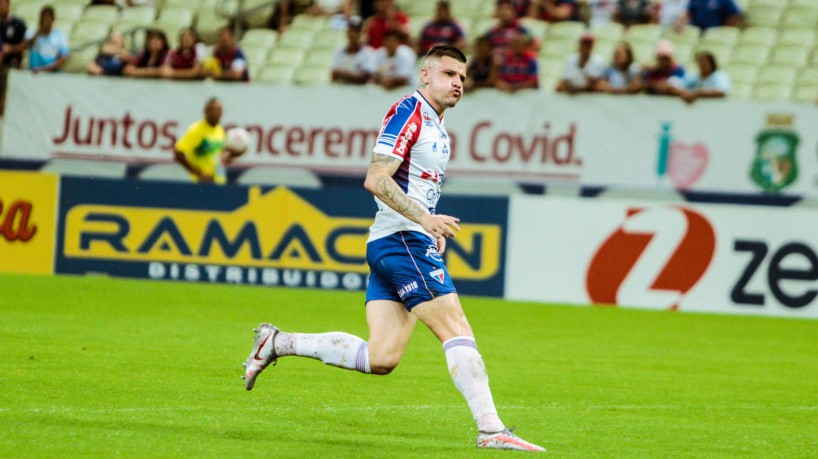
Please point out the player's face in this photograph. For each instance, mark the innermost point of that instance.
(444, 79)
(213, 113)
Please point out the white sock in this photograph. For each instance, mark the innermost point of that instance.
(471, 379)
(335, 348)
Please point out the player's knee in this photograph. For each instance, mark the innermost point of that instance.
(384, 364)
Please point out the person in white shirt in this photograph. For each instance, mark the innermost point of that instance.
(394, 63)
(622, 76)
(352, 62)
(669, 12)
(709, 83)
(583, 69)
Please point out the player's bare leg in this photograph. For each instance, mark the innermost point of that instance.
(390, 328)
(445, 317)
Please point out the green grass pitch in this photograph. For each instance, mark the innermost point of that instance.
(97, 367)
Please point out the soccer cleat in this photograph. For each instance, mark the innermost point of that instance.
(505, 439)
(262, 355)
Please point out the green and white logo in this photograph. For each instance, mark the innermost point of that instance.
(775, 165)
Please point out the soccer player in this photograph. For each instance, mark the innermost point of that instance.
(201, 149)
(408, 280)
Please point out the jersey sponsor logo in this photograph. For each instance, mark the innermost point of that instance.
(431, 252)
(430, 175)
(438, 275)
(407, 289)
(406, 137)
(427, 120)
(653, 259)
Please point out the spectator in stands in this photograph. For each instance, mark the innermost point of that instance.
(227, 62)
(710, 82)
(352, 63)
(622, 75)
(387, 18)
(480, 65)
(47, 46)
(521, 7)
(111, 59)
(554, 10)
(443, 29)
(634, 12)
(516, 66)
(665, 77)
(330, 8)
(583, 69)
(394, 63)
(668, 13)
(148, 63)
(508, 25)
(185, 61)
(602, 12)
(711, 13)
(12, 44)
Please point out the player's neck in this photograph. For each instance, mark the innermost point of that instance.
(431, 103)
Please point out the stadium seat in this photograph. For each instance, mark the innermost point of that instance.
(482, 25)
(772, 92)
(256, 55)
(807, 76)
(803, 4)
(683, 52)
(766, 36)
(425, 8)
(773, 75)
(416, 25)
(805, 93)
(750, 54)
(297, 39)
(319, 58)
(291, 57)
(274, 176)
(690, 35)
(741, 73)
(558, 48)
(101, 13)
(649, 33)
(552, 67)
(720, 36)
(177, 16)
(612, 31)
(208, 23)
(741, 90)
(142, 15)
(69, 12)
(481, 10)
(328, 39)
(309, 75)
(567, 30)
(259, 37)
(790, 56)
(85, 168)
(604, 48)
(778, 4)
(166, 172)
(194, 5)
(89, 32)
(308, 23)
(78, 59)
(262, 11)
(796, 37)
(763, 16)
(799, 18)
(721, 52)
(535, 27)
(28, 12)
(275, 74)
(643, 52)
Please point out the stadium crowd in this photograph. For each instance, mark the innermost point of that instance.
(382, 47)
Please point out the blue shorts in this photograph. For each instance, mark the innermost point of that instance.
(407, 268)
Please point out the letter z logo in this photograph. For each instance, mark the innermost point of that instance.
(653, 259)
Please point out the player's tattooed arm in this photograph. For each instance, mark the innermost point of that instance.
(379, 182)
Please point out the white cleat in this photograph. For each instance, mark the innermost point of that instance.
(505, 440)
(262, 355)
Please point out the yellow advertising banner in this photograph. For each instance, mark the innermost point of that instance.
(28, 214)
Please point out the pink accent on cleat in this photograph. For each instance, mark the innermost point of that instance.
(505, 440)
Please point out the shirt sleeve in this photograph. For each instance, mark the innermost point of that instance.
(400, 130)
(189, 141)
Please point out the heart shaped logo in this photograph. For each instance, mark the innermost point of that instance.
(687, 163)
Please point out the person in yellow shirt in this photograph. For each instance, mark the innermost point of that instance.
(201, 149)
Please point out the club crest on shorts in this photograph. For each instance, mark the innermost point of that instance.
(438, 275)
(431, 252)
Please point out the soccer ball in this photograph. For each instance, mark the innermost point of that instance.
(237, 139)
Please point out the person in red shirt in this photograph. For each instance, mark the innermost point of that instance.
(185, 61)
(553, 10)
(387, 17)
(441, 30)
(508, 25)
(516, 66)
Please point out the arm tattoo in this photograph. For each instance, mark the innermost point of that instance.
(388, 191)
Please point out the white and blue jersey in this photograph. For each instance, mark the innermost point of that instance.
(403, 258)
(414, 133)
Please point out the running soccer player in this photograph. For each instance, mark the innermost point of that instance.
(201, 149)
(408, 280)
